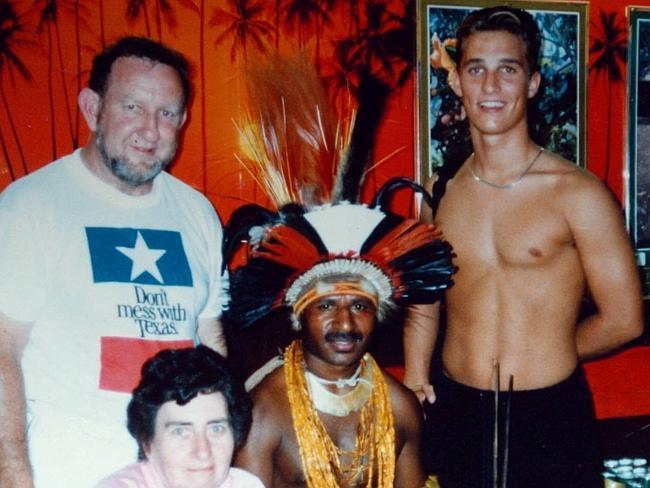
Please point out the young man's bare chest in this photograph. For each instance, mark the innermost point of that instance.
(519, 227)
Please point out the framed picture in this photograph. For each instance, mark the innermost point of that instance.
(638, 185)
(556, 115)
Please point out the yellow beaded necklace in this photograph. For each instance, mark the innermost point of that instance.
(374, 451)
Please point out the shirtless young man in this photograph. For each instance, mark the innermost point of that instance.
(531, 232)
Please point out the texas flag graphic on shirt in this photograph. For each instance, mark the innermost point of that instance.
(154, 257)
(151, 260)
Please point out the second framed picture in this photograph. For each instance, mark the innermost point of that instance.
(557, 115)
(638, 188)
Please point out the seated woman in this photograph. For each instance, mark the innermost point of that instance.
(188, 415)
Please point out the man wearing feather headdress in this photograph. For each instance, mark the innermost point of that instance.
(329, 416)
(326, 415)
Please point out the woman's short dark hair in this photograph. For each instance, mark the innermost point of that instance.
(180, 375)
(138, 47)
(514, 20)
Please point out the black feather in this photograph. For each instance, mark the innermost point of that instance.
(238, 226)
(256, 289)
(385, 193)
(372, 96)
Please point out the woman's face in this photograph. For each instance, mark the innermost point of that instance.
(193, 444)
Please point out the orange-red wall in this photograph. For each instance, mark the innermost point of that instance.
(57, 55)
(210, 168)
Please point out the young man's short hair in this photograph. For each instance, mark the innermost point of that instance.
(514, 20)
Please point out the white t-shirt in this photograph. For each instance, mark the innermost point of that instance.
(107, 280)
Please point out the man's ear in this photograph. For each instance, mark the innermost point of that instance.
(454, 82)
(533, 84)
(90, 105)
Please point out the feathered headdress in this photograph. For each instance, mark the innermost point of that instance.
(318, 239)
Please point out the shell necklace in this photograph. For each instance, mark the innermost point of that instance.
(506, 185)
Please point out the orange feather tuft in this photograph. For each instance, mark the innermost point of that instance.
(290, 140)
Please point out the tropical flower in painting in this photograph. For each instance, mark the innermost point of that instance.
(440, 57)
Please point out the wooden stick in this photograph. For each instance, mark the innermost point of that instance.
(495, 440)
(506, 435)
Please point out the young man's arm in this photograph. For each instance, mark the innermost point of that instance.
(14, 462)
(420, 333)
(610, 271)
(407, 413)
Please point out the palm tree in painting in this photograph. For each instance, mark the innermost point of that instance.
(322, 20)
(163, 13)
(354, 17)
(277, 12)
(245, 24)
(303, 14)
(102, 30)
(48, 22)
(609, 48)
(383, 45)
(133, 10)
(398, 41)
(80, 21)
(10, 31)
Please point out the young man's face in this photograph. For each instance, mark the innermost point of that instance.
(494, 82)
(193, 443)
(336, 330)
(140, 117)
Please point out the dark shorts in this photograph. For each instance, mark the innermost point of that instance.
(552, 436)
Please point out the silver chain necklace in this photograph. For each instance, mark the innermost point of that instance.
(507, 185)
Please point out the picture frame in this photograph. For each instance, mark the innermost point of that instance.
(638, 122)
(557, 115)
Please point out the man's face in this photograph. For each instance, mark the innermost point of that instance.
(337, 328)
(193, 443)
(494, 82)
(140, 118)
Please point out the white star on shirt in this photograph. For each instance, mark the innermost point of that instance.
(144, 259)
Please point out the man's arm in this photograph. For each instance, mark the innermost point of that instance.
(14, 463)
(210, 333)
(420, 333)
(610, 271)
(409, 472)
(256, 456)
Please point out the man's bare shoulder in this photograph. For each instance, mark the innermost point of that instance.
(271, 411)
(270, 392)
(571, 184)
(403, 400)
(565, 171)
